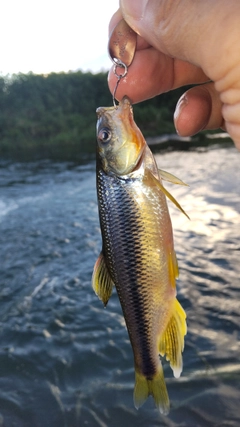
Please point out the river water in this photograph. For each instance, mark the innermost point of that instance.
(65, 361)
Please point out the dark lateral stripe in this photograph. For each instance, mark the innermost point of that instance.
(121, 225)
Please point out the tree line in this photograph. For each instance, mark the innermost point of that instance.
(53, 115)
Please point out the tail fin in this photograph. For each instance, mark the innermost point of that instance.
(156, 387)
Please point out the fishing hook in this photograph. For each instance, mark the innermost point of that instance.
(118, 64)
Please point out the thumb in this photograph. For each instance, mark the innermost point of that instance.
(189, 30)
(203, 33)
(158, 21)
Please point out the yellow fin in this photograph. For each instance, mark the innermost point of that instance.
(156, 387)
(173, 268)
(172, 341)
(101, 280)
(167, 176)
(167, 194)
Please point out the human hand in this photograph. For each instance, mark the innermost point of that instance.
(182, 42)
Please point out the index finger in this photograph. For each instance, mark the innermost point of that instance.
(151, 73)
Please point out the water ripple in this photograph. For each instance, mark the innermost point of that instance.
(65, 361)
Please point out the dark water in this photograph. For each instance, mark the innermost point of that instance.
(65, 361)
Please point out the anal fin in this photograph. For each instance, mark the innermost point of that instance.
(172, 341)
(101, 280)
(173, 268)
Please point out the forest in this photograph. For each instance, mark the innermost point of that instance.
(54, 116)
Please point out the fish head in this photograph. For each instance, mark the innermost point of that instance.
(120, 143)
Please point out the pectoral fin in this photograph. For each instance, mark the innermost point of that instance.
(171, 178)
(167, 194)
(172, 341)
(101, 280)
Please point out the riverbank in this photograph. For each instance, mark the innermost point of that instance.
(176, 142)
(54, 116)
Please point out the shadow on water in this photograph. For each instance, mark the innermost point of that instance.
(67, 362)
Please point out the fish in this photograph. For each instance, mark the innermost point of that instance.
(138, 255)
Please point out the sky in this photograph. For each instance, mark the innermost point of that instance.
(46, 36)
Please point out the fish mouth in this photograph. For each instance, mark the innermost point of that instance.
(124, 104)
(102, 111)
(126, 100)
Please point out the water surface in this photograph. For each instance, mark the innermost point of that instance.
(65, 360)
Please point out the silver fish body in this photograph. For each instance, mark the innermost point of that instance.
(138, 258)
(131, 216)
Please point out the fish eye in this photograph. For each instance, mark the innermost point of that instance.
(104, 135)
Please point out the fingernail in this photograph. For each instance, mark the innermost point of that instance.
(182, 102)
(134, 8)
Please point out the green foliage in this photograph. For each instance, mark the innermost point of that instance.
(54, 115)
